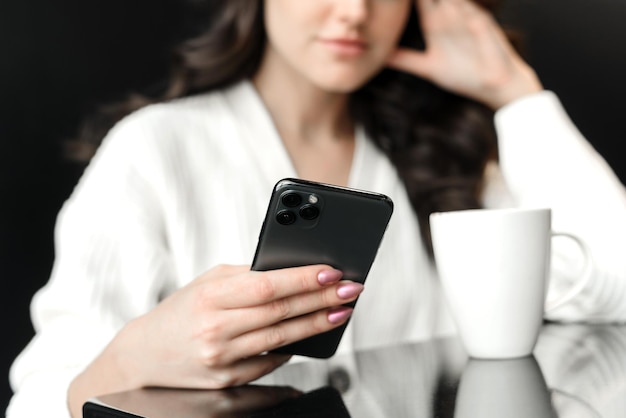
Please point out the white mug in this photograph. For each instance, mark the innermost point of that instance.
(494, 270)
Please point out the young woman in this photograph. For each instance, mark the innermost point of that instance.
(152, 285)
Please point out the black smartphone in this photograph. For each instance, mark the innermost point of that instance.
(237, 402)
(315, 223)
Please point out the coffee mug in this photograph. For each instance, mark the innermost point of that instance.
(494, 269)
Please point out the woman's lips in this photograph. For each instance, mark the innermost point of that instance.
(345, 47)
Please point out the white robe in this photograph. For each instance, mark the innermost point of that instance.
(180, 187)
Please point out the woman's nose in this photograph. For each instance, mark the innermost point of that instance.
(354, 12)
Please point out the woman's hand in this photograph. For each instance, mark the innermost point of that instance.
(467, 53)
(216, 331)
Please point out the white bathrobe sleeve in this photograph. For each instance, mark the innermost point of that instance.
(111, 220)
(544, 161)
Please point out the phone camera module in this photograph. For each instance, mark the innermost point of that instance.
(291, 200)
(309, 212)
(285, 217)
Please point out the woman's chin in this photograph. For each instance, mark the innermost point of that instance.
(344, 83)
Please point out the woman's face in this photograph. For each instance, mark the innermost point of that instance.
(337, 45)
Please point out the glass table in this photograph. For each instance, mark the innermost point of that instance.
(576, 371)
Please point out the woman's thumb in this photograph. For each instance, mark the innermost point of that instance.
(411, 61)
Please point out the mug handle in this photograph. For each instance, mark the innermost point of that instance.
(582, 281)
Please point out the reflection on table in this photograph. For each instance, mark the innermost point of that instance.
(576, 371)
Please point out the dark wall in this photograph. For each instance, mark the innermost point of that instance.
(59, 58)
(578, 47)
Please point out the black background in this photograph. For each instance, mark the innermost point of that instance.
(58, 59)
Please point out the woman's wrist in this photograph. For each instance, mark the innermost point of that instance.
(112, 371)
(522, 83)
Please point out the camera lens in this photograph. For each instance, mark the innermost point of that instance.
(285, 217)
(309, 212)
(291, 200)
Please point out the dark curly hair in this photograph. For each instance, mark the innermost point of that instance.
(439, 142)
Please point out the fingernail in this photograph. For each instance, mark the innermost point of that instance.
(348, 290)
(338, 315)
(329, 276)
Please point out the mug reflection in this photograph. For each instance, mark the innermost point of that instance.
(503, 388)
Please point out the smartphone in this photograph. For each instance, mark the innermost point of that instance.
(236, 402)
(315, 223)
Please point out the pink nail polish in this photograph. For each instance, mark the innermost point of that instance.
(338, 315)
(329, 276)
(348, 290)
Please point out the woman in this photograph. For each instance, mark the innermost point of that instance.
(178, 190)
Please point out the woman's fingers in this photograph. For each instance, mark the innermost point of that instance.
(411, 61)
(254, 288)
(286, 332)
(240, 315)
(446, 36)
(467, 53)
(219, 356)
(240, 321)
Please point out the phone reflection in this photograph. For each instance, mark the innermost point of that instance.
(249, 401)
(503, 388)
